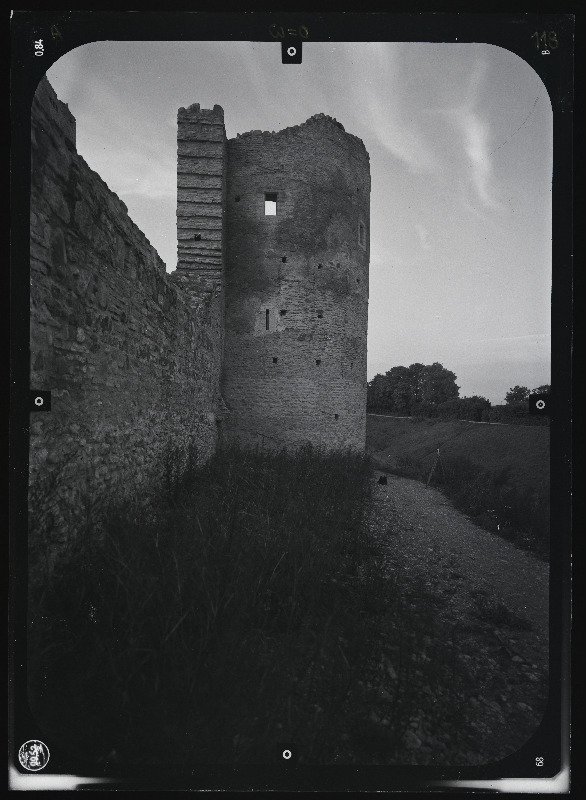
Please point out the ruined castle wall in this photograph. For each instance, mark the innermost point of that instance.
(130, 354)
(297, 286)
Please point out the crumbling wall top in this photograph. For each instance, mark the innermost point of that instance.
(317, 120)
(195, 112)
(59, 112)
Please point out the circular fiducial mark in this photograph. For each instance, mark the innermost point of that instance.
(287, 754)
(291, 51)
(39, 401)
(34, 755)
(540, 404)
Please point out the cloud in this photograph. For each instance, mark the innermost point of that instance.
(475, 133)
(476, 136)
(423, 236)
(529, 349)
(386, 107)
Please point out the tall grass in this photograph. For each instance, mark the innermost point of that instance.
(226, 618)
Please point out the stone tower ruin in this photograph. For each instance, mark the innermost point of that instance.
(259, 334)
(278, 224)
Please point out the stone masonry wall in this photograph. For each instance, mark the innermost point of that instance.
(131, 355)
(297, 287)
(201, 194)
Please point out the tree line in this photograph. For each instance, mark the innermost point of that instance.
(431, 391)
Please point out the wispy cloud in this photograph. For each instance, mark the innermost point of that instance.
(423, 236)
(383, 102)
(475, 133)
(535, 337)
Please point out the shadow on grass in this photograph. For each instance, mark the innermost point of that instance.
(227, 617)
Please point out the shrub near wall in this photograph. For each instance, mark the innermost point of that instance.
(130, 355)
(469, 408)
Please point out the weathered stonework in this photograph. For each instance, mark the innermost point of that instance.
(266, 313)
(131, 355)
(297, 286)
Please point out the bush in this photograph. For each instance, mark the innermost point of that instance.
(469, 408)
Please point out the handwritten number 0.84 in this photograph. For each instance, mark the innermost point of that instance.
(39, 47)
(548, 40)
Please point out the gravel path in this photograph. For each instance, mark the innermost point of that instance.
(460, 673)
(431, 534)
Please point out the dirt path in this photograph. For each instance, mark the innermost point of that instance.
(459, 675)
(431, 535)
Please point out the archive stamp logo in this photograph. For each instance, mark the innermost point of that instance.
(34, 755)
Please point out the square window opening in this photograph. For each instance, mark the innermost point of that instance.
(270, 204)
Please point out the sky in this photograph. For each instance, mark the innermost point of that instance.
(460, 144)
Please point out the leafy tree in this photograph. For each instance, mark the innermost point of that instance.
(438, 385)
(418, 388)
(545, 389)
(377, 393)
(400, 389)
(518, 394)
(416, 380)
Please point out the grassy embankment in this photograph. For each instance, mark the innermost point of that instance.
(496, 474)
(231, 616)
(247, 607)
